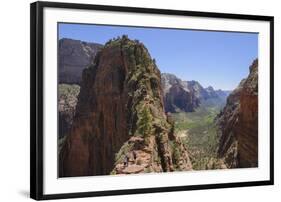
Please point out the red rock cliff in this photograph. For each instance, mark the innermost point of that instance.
(238, 124)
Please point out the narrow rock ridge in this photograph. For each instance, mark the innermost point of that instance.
(120, 125)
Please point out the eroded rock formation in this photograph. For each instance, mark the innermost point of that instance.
(74, 56)
(238, 123)
(120, 125)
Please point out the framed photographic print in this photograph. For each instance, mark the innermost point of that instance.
(136, 100)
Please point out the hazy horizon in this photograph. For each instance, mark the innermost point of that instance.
(217, 59)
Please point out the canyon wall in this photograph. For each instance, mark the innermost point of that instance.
(238, 123)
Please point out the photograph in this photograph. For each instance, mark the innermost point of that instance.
(137, 100)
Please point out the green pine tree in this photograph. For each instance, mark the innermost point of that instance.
(145, 122)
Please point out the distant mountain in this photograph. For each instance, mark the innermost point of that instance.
(223, 93)
(74, 56)
(199, 92)
(187, 95)
(178, 95)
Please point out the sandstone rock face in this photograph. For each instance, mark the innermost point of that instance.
(168, 80)
(238, 124)
(179, 99)
(200, 92)
(67, 101)
(120, 114)
(177, 94)
(186, 95)
(74, 56)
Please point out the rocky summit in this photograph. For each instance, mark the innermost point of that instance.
(120, 126)
(74, 56)
(238, 123)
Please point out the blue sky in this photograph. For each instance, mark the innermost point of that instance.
(219, 59)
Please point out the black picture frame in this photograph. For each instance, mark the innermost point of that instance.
(36, 98)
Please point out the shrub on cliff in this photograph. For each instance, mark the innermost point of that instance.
(144, 122)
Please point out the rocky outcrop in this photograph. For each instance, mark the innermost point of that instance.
(120, 125)
(74, 56)
(186, 95)
(238, 123)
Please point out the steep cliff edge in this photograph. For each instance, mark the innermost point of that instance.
(67, 101)
(238, 123)
(120, 125)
